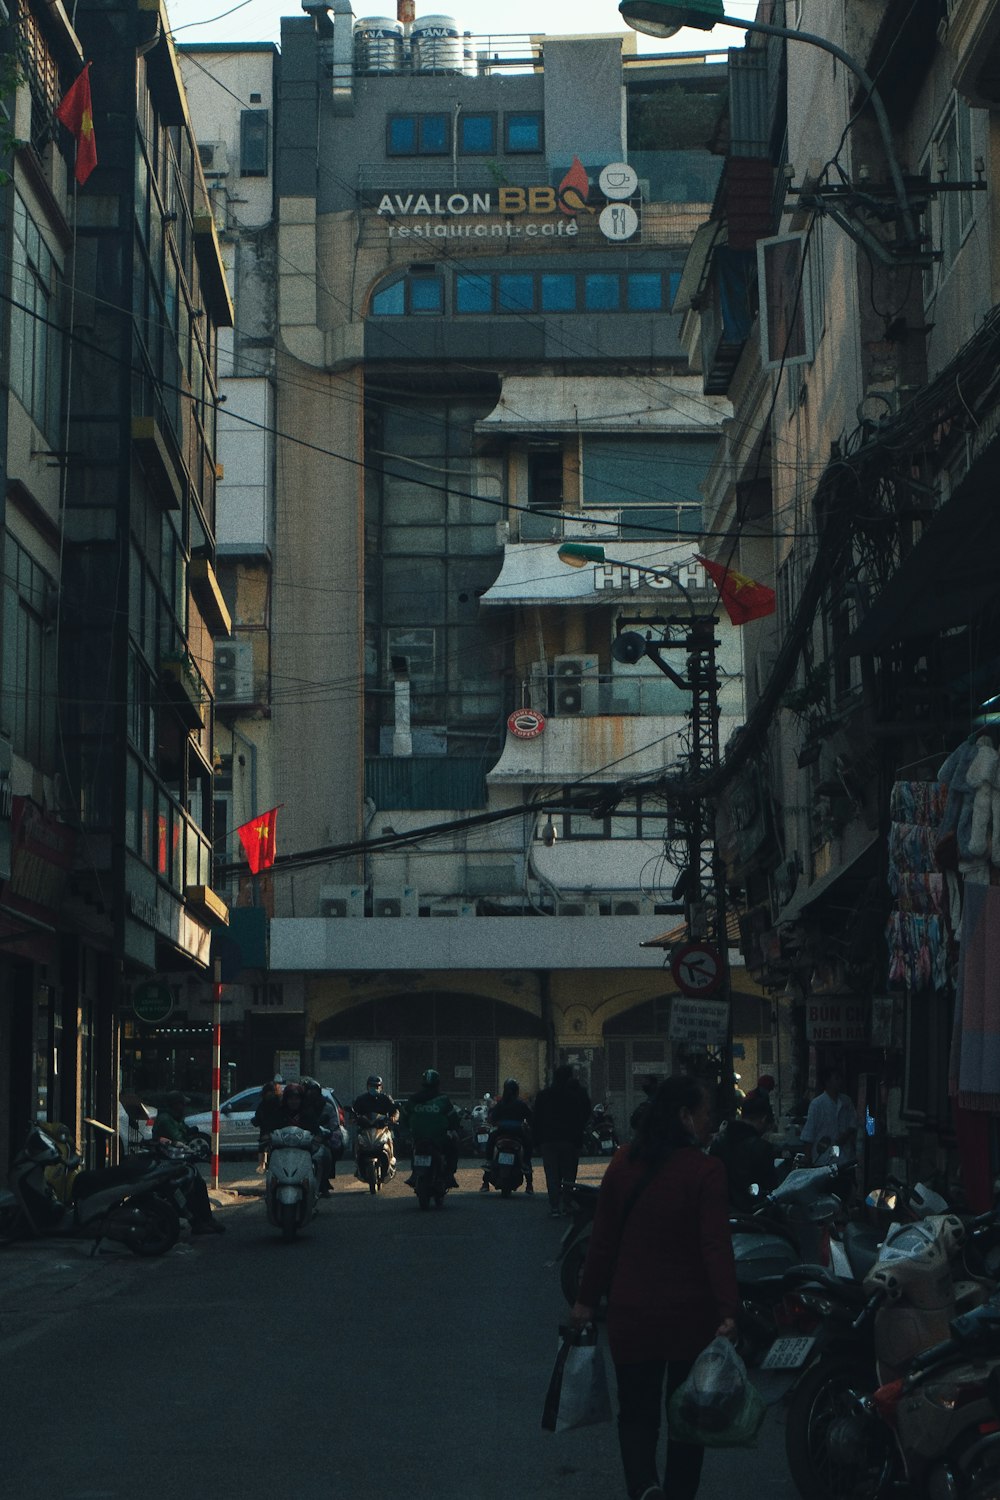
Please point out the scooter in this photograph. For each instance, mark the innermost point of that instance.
(576, 1238)
(430, 1177)
(600, 1137)
(373, 1153)
(291, 1187)
(112, 1203)
(505, 1169)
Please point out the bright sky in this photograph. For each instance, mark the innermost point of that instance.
(260, 20)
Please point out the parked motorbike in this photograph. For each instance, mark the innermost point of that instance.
(505, 1170)
(112, 1203)
(600, 1138)
(430, 1177)
(945, 1412)
(291, 1187)
(177, 1182)
(573, 1246)
(870, 1333)
(373, 1152)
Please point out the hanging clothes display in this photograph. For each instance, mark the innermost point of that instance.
(917, 932)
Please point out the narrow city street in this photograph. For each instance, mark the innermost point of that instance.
(389, 1350)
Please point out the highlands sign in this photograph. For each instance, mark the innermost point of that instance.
(616, 217)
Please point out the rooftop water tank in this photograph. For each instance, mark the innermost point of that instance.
(435, 45)
(378, 45)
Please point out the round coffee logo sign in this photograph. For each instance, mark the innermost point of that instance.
(525, 724)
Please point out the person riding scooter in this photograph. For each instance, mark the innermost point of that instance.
(170, 1125)
(747, 1155)
(431, 1116)
(370, 1105)
(510, 1116)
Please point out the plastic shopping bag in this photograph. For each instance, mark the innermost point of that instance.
(717, 1405)
(578, 1389)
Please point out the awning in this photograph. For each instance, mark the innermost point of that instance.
(705, 240)
(808, 895)
(533, 574)
(679, 934)
(575, 403)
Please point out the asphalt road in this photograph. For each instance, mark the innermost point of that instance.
(385, 1351)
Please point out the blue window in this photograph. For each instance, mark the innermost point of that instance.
(418, 135)
(516, 292)
(601, 291)
(477, 135)
(390, 301)
(558, 293)
(473, 294)
(644, 290)
(674, 279)
(523, 132)
(426, 294)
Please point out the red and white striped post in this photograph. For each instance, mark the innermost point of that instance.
(216, 1066)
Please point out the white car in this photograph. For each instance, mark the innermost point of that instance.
(237, 1134)
(135, 1130)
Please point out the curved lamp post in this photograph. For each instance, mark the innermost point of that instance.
(663, 18)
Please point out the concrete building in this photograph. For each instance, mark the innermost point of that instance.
(112, 294)
(474, 361)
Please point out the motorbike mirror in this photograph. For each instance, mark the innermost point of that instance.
(834, 1151)
(754, 1190)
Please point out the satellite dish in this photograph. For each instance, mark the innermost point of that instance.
(629, 647)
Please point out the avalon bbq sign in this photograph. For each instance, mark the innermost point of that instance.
(548, 212)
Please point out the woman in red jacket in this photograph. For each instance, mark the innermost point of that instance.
(662, 1252)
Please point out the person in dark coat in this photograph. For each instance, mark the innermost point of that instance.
(763, 1089)
(662, 1253)
(746, 1155)
(561, 1111)
(266, 1117)
(511, 1116)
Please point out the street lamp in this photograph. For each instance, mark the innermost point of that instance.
(664, 18)
(702, 683)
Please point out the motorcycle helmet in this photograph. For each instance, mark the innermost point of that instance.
(431, 1077)
(511, 1086)
(293, 1093)
(374, 1083)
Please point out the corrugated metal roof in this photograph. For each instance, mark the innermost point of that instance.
(679, 934)
(445, 782)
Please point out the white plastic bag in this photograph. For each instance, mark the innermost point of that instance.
(717, 1405)
(578, 1388)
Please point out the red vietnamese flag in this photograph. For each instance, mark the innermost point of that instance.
(744, 599)
(258, 840)
(76, 114)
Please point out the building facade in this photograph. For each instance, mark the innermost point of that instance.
(113, 294)
(474, 362)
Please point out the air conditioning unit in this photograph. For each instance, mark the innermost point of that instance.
(403, 902)
(234, 672)
(574, 685)
(631, 906)
(341, 900)
(592, 523)
(578, 908)
(502, 533)
(459, 909)
(214, 157)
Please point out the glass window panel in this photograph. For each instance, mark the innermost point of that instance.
(515, 292)
(473, 294)
(433, 135)
(254, 136)
(390, 302)
(147, 844)
(402, 135)
(620, 470)
(132, 804)
(601, 291)
(477, 134)
(426, 294)
(523, 132)
(414, 539)
(558, 292)
(415, 432)
(406, 503)
(645, 291)
(413, 589)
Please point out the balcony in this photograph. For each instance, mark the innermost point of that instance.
(974, 39)
(184, 688)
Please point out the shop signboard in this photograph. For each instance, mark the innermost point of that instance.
(842, 1019)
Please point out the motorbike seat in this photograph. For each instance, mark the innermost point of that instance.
(87, 1183)
(861, 1246)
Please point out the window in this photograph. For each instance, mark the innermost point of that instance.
(418, 135)
(35, 340)
(254, 142)
(660, 475)
(645, 818)
(522, 133)
(473, 294)
(390, 302)
(545, 478)
(644, 291)
(558, 292)
(949, 217)
(426, 294)
(29, 665)
(601, 291)
(515, 292)
(477, 135)
(417, 293)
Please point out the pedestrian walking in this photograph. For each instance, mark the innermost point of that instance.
(561, 1112)
(662, 1253)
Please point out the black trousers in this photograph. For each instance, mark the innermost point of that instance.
(640, 1406)
(560, 1159)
